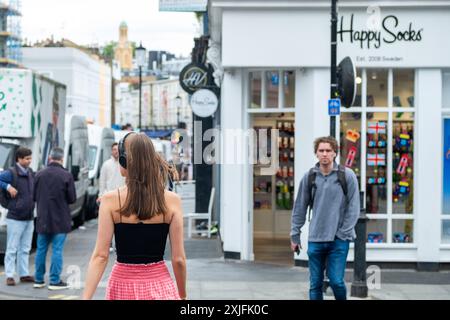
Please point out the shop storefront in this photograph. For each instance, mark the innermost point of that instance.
(396, 137)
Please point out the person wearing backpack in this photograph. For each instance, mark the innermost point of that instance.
(18, 182)
(331, 193)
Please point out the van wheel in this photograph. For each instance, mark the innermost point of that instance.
(91, 208)
(78, 221)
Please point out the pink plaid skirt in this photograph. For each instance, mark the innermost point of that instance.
(141, 282)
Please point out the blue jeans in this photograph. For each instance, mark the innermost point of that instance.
(19, 235)
(332, 256)
(43, 242)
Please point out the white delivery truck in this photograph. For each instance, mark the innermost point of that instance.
(32, 110)
(33, 114)
(101, 140)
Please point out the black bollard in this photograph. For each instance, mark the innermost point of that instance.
(359, 285)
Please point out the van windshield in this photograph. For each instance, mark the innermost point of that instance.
(6, 155)
(92, 156)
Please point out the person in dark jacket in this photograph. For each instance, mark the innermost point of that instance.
(54, 190)
(18, 182)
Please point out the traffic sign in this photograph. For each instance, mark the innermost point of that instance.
(334, 107)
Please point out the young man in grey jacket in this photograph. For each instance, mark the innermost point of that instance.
(334, 217)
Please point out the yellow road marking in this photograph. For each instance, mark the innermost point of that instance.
(59, 296)
(70, 298)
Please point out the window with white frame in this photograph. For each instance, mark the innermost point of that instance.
(377, 142)
(268, 92)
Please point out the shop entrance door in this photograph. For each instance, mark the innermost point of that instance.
(273, 194)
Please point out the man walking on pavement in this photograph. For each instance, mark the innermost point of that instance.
(18, 182)
(110, 177)
(331, 191)
(54, 191)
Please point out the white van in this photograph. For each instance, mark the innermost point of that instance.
(101, 140)
(76, 152)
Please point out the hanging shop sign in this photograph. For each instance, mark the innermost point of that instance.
(194, 77)
(204, 103)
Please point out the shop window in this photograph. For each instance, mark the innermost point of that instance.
(446, 184)
(403, 88)
(403, 163)
(402, 231)
(255, 89)
(446, 163)
(274, 89)
(272, 86)
(289, 89)
(446, 231)
(386, 168)
(350, 142)
(376, 231)
(377, 88)
(376, 163)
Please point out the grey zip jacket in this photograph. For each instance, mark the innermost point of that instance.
(332, 215)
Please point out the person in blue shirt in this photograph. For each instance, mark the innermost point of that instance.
(19, 221)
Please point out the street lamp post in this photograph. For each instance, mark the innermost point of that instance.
(141, 54)
(178, 101)
(359, 285)
(334, 88)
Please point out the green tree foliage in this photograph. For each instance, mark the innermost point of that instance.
(108, 50)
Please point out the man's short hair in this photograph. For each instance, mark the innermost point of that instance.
(114, 144)
(331, 140)
(57, 154)
(23, 152)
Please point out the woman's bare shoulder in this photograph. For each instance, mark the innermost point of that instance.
(172, 197)
(111, 195)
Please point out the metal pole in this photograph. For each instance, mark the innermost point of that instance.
(334, 93)
(359, 285)
(140, 97)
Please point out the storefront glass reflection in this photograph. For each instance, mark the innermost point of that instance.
(376, 163)
(377, 87)
(403, 88)
(403, 163)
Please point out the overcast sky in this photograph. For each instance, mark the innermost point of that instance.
(97, 21)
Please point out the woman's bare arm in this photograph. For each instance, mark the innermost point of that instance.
(177, 245)
(100, 256)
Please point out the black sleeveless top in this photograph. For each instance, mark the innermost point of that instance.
(139, 243)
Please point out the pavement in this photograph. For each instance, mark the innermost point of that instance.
(211, 277)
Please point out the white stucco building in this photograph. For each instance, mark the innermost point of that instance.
(88, 79)
(276, 57)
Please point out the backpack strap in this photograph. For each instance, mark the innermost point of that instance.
(312, 187)
(342, 179)
(13, 171)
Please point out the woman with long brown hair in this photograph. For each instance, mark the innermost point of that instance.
(140, 215)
